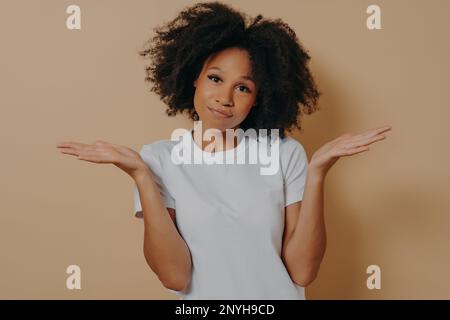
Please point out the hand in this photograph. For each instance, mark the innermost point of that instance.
(345, 145)
(124, 158)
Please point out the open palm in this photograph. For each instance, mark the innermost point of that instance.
(346, 145)
(101, 151)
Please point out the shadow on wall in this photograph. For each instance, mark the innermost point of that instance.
(399, 226)
(342, 272)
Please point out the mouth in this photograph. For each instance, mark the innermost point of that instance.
(219, 113)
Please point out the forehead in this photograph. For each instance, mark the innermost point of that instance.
(231, 60)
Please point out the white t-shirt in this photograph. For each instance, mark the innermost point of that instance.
(232, 218)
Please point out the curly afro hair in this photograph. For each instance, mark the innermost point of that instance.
(279, 63)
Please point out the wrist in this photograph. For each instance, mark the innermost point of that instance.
(315, 175)
(141, 174)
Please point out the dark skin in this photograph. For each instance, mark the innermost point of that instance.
(304, 238)
(225, 83)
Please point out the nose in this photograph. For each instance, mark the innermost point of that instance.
(225, 97)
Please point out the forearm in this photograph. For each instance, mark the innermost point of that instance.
(165, 250)
(306, 247)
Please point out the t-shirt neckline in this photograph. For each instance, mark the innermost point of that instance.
(241, 140)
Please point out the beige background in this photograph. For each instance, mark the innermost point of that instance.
(388, 206)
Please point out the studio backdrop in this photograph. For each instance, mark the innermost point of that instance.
(70, 70)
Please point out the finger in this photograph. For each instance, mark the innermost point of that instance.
(96, 156)
(63, 143)
(359, 150)
(67, 144)
(85, 147)
(380, 130)
(366, 141)
(352, 151)
(69, 151)
(71, 144)
(102, 142)
(373, 132)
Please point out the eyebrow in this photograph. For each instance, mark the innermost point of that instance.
(243, 77)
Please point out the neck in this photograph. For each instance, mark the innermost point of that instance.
(197, 134)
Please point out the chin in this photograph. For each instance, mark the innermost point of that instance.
(220, 125)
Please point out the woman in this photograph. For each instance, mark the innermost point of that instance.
(226, 231)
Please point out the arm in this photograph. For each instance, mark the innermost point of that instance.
(305, 239)
(165, 250)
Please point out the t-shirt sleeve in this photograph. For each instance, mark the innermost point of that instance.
(295, 169)
(152, 160)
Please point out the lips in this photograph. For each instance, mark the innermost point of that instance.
(220, 111)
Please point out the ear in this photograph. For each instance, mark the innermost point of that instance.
(195, 83)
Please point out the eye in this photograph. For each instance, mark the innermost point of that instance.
(212, 77)
(246, 88)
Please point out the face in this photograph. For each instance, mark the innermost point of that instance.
(225, 91)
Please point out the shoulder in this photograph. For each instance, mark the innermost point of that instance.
(289, 146)
(159, 149)
(293, 159)
(157, 154)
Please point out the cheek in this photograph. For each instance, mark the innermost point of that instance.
(205, 92)
(243, 111)
(202, 93)
(245, 102)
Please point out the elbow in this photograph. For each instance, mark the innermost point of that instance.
(302, 274)
(171, 277)
(175, 278)
(304, 282)
(304, 279)
(176, 284)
